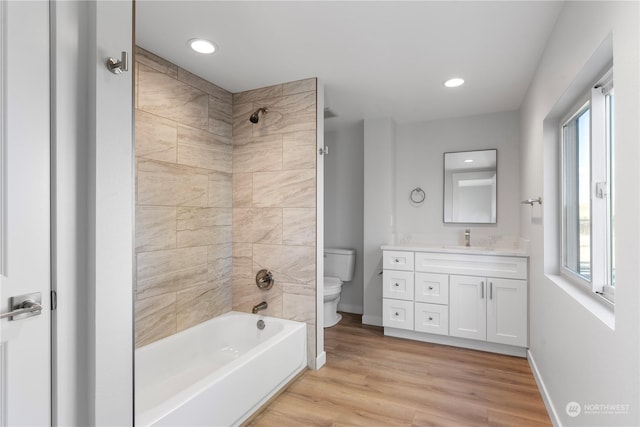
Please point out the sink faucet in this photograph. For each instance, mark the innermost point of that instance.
(467, 237)
(262, 306)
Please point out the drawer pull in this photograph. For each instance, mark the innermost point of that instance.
(396, 260)
(397, 314)
(396, 284)
(430, 288)
(430, 318)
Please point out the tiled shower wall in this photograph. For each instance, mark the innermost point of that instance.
(196, 256)
(274, 201)
(183, 199)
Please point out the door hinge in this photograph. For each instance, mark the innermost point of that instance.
(54, 300)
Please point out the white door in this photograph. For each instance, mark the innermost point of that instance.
(467, 307)
(507, 311)
(25, 346)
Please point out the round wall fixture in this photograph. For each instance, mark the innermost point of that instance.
(417, 196)
(264, 280)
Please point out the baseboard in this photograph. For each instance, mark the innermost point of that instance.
(350, 308)
(321, 360)
(551, 410)
(371, 320)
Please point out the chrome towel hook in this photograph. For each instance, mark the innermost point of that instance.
(417, 196)
(117, 67)
(532, 201)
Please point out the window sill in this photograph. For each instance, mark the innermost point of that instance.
(596, 305)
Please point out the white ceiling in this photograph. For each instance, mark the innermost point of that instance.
(377, 59)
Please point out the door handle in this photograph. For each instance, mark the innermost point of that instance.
(23, 306)
(481, 290)
(490, 290)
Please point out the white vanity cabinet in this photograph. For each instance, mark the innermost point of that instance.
(467, 299)
(490, 309)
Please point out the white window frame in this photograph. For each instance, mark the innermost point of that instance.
(593, 99)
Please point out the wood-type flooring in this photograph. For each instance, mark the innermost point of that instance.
(372, 380)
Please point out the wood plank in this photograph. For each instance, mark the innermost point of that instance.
(373, 380)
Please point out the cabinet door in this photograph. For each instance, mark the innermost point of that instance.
(397, 284)
(507, 311)
(397, 314)
(432, 288)
(467, 307)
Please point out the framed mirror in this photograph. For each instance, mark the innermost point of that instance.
(471, 187)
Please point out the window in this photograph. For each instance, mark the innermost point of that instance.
(588, 213)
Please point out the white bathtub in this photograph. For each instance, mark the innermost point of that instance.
(217, 373)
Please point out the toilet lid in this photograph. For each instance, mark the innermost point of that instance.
(332, 284)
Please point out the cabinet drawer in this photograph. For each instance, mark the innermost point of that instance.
(397, 314)
(432, 288)
(432, 318)
(397, 284)
(507, 267)
(397, 260)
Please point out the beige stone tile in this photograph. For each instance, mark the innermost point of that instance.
(299, 150)
(301, 308)
(308, 289)
(172, 281)
(155, 318)
(299, 226)
(220, 118)
(215, 235)
(165, 96)
(205, 86)
(167, 262)
(203, 149)
(243, 262)
(257, 225)
(155, 62)
(156, 137)
(155, 228)
(285, 189)
(257, 154)
(201, 303)
(164, 184)
(311, 343)
(220, 263)
(289, 264)
(203, 226)
(265, 93)
(220, 190)
(306, 85)
(242, 127)
(288, 114)
(242, 189)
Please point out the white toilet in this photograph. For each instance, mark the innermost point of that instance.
(339, 266)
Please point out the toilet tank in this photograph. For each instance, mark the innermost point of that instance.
(339, 263)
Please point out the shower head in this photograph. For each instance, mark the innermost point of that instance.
(255, 117)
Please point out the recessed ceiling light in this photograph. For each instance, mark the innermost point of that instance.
(202, 46)
(469, 161)
(454, 82)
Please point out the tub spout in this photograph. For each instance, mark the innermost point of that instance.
(262, 306)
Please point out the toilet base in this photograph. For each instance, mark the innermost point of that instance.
(331, 315)
(333, 321)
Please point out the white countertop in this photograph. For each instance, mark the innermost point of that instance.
(455, 249)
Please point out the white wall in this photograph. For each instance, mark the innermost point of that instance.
(419, 163)
(344, 203)
(579, 358)
(379, 208)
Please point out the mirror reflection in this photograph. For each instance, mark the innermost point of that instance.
(470, 187)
